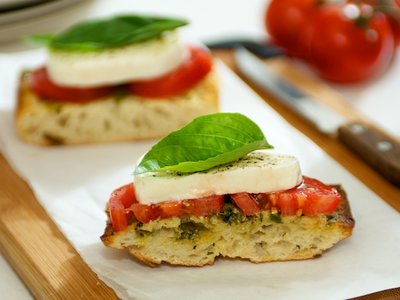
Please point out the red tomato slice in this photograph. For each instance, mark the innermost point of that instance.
(313, 197)
(186, 76)
(197, 207)
(321, 198)
(125, 195)
(246, 203)
(204, 206)
(145, 213)
(321, 204)
(121, 199)
(42, 85)
(171, 209)
(288, 203)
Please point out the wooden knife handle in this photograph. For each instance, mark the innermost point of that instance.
(378, 149)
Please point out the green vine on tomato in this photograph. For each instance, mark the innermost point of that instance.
(343, 41)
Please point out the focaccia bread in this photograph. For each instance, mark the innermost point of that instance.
(265, 237)
(114, 118)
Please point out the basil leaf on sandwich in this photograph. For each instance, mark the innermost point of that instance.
(206, 142)
(115, 32)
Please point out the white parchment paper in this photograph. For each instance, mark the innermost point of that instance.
(73, 184)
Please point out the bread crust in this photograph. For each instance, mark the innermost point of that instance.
(118, 117)
(255, 238)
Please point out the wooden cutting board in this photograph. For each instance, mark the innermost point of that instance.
(51, 268)
(39, 253)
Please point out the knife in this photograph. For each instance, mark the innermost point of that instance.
(375, 147)
(263, 49)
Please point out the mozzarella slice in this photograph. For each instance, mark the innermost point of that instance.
(145, 60)
(257, 172)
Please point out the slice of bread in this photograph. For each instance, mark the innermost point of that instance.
(197, 241)
(115, 118)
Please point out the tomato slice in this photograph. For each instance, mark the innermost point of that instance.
(288, 203)
(321, 198)
(171, 209)
(123, 203)
(186, 76)
(197, 207)
(313, 197)
(146, 212)
(204, 206)
(119, 201)
(246, 203)
(44, 87)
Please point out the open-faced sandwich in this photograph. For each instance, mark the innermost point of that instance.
(125, 78)
(212, 189)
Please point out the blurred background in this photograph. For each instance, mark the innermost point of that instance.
(210, 21)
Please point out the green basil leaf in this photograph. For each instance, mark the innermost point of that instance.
(109, 33)
(206, 142)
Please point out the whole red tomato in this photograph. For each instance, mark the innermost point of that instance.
(285, 20)
(346, 50)
(344, 41)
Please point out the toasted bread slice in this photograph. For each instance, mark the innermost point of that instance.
(198, 241)
(115, 118)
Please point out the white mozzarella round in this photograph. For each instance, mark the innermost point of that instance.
(258, 172)
(145, 60)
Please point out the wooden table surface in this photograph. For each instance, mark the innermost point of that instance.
(51, 268)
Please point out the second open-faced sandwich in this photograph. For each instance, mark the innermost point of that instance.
(125, 78)
(213, 189)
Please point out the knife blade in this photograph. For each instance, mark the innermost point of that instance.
(378, 149)
(262, 49)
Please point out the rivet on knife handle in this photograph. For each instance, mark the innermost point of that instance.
(379, 150)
